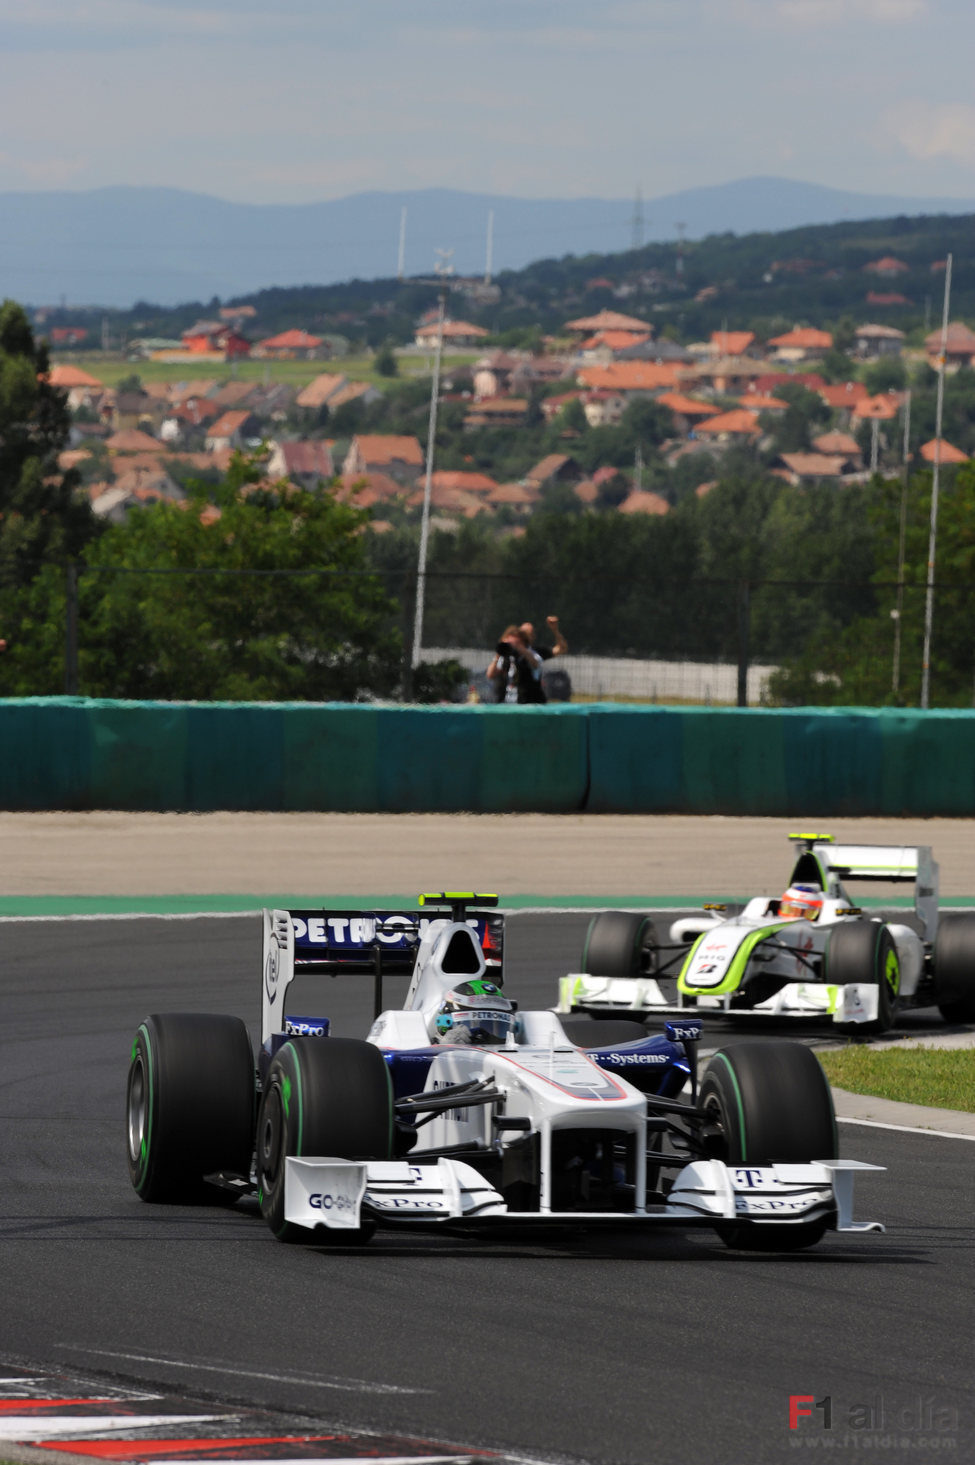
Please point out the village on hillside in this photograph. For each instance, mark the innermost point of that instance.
(810, 409)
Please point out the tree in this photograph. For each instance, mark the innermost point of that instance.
(272, 599)
(44, 519)
(385, 362)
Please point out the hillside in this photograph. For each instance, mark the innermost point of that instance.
(819, 275)
(114, 246)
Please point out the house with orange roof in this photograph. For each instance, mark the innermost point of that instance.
(764, 402)
(632, 378)
(603, 408)
(804, 343)
(883, 408)
(640, 501)
(445, 499)
(232, 430)
(929, 451)
(842, 397)
(513, 496)
(365, 490)
(552, 406)
(497, 412)
(555, 468)
(871, 342)
(306, 463)
(83, 389)
(687, 411)
(959, 345)
(319, 392)
(457, 333)
(739, 425)
(842, 444)
(292, 345)
(610, 320)
(796, 468)
(887, 266)
(398, 456)
(458, 480)
(727, 375)
(132, 440)
(604, 345)
(731, 343)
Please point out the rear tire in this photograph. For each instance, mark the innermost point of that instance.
(322, 1096)
(954, 968)
(769, 1102)
(620, 944)
(864, 951)
(189, 1105)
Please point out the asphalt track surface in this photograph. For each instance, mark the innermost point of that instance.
(598, 1348)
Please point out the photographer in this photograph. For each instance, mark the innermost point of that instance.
(515, 671)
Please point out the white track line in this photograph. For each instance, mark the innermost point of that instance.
(353, 1386)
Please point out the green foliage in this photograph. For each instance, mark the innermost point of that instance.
(175, 606)
(42, 515)
(440, 681)
(385, 362)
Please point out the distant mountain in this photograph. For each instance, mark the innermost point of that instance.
(117, 246)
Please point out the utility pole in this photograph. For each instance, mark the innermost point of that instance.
(901, 540)
(489, 258)
(680, 249)
(443, 270)
(935, 484)
(401, 257)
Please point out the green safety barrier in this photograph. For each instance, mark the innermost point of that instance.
(76, 753)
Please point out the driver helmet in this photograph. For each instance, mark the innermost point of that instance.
(805, 901)
(473, 1012)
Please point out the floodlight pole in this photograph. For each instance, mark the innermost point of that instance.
(443, 270)
(935, 484)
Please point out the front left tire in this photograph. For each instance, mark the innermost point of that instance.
(322, 1097)
(768, 1102)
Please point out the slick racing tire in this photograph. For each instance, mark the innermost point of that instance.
(322, 1096)
(767, 1102)
(954, 968)
(189, 1108)
(864, 951)
(620, 944)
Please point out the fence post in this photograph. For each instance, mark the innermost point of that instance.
(744, 631)
(71, 629)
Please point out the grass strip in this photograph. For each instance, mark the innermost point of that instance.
(942, 1078)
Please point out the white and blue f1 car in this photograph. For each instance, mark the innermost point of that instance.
(811, 954)
(458, 1109)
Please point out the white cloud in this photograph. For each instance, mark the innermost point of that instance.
(928, 130)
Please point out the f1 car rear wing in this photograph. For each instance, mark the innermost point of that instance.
(827, 864)
(380, 943)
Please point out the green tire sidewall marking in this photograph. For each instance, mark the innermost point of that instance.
(892, 972)
(740, 1106)
(146, 1145)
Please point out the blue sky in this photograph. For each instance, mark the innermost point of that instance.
(302, 100)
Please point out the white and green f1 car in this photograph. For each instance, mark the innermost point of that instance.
(812, 953)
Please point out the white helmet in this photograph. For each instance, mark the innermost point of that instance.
(473, 1012)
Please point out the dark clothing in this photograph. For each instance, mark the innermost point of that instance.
(520, 679)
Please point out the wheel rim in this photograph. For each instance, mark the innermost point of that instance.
(137, 1109)
(270, 1139)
